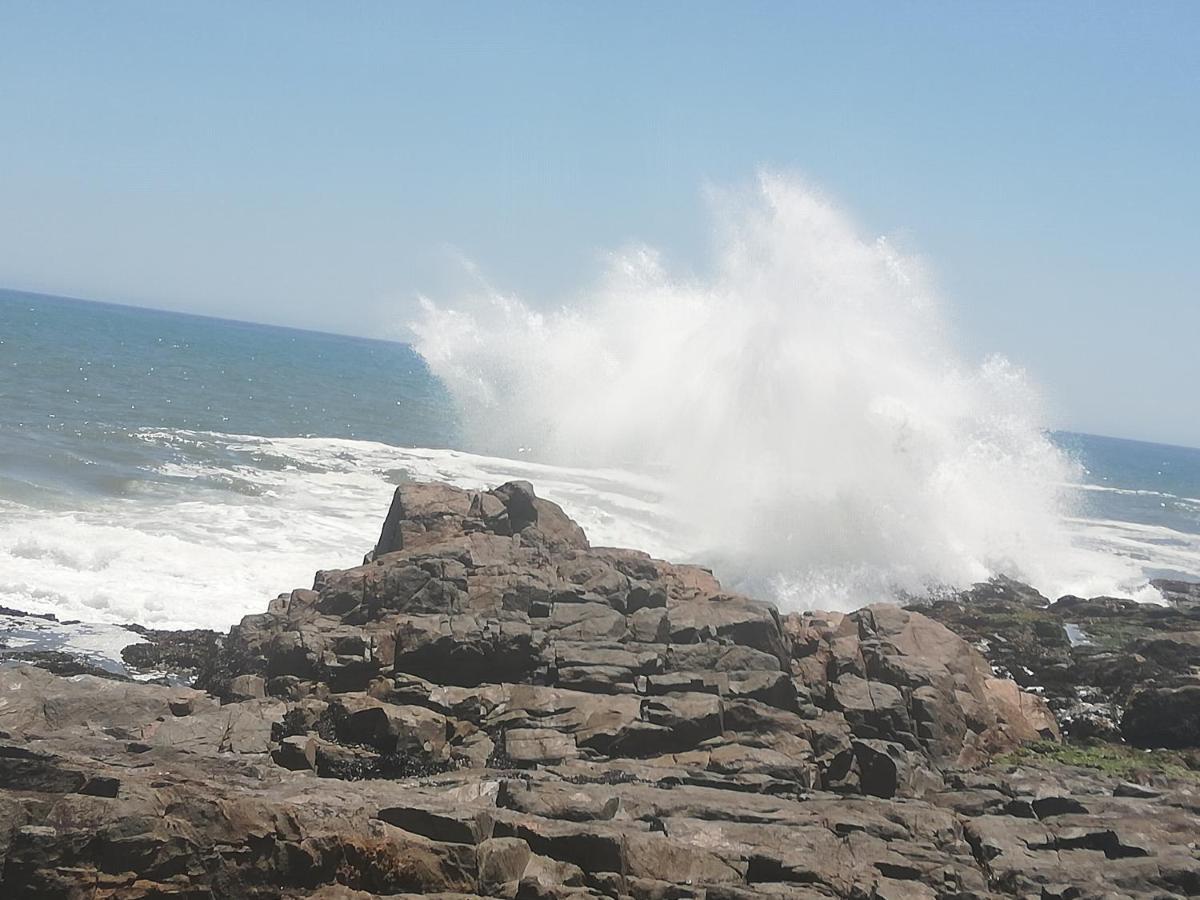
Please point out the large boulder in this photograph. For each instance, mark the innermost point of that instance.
(424, 514)
(898, 676)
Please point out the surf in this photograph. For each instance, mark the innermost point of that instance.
(816, 433)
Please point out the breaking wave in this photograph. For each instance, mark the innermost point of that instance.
(817, 435)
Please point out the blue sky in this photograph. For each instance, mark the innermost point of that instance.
(320, 165)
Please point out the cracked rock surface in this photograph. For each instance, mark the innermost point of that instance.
(491, 707)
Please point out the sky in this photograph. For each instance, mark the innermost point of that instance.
(322, 165)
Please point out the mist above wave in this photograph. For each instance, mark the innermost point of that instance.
(817, 433)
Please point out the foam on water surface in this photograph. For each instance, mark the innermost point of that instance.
(797, 416)
(96, 643)
(204, 557)
(201, 556)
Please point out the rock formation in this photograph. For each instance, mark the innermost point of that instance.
(488, 706)
(1109, 668)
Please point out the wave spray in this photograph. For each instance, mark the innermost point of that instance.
(812, 432)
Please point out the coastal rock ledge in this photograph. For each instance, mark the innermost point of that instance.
(488, 706)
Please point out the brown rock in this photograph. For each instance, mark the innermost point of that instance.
(490, 707)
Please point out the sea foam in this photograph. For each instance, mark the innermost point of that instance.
(206, 557)
(816, 434)
(798, 419)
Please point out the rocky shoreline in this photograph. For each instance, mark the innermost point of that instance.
(491, 707)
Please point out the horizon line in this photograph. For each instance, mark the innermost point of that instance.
(408, 344)
(207, 316)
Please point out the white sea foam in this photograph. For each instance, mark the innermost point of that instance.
(98, 644)
(1135, 492)
(798, 420)
(204, 558)
(823, 441)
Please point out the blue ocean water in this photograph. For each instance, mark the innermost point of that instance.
(1138, 482)
(83, 380)
(176, 470)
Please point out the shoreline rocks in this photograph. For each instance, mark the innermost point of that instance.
(1110, 669)
(489, 706)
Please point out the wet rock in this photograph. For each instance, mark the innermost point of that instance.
(1086, 656)
(1163, 717)
(1184, 595)
(60, 663)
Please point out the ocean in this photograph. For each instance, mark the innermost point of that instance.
(178, 471)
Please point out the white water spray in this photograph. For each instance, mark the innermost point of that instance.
(816, 436)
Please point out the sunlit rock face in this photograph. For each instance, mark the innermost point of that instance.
(489, 706)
